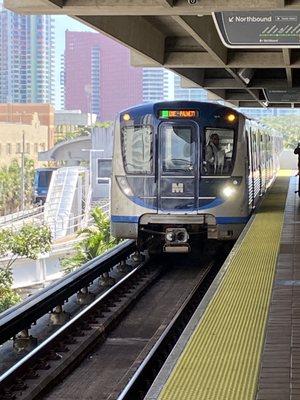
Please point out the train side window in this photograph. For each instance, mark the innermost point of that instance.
(137, 149)
(218, 152)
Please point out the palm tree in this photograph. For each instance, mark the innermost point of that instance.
(96, 240)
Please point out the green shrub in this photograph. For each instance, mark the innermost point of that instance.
(96, 240)
(30, 241)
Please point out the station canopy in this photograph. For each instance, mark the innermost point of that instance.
(245, 52)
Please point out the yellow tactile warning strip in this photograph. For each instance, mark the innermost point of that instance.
(221, 360)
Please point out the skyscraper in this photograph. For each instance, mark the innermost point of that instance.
(98, 75)
(155, 84)
(26, 58)
(62, 82)
(188, 94)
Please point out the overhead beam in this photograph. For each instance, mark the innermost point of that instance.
(59, 3)
(224, 83)
(250, 104)
(187, 84)
(195, 76)
(135, 32)
(287, 53)
(238, 59)
(147, 7)
(203, 30)
(166, 3)
(229, 96)
(268, 83)
(140, 61)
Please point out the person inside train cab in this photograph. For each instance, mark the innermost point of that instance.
(214, 155)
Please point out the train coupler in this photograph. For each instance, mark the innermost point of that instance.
(176, 241)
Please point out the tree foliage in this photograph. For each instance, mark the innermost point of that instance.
(96, 240)
(30, 241)
(10, 186)
(8, 296)
(289, 126)
(82, 131)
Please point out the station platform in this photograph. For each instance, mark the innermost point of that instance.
(243, 341)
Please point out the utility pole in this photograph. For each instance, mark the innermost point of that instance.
(22, 164)
(23, 172)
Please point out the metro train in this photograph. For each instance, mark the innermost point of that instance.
(186, 168)
(42, 178)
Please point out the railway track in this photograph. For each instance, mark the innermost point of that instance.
(23, 315)
(111, 330)
(67, 346)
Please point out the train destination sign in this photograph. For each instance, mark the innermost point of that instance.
(283, 95)
(178, 113)
(259, 28)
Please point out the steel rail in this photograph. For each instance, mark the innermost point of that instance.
(144, 376)
(91, 320)
(26, 313)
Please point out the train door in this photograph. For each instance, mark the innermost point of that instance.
(178, 167)
(250, 169)
(259, 160)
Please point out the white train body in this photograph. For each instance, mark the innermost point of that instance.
(171, 182)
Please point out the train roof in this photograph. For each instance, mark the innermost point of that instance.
(152, 107)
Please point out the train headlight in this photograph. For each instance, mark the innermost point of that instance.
(126, 189)
(229, 191)
(126, 117)
(230, 117)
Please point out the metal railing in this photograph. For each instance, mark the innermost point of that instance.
(20, 215)
(58, 224)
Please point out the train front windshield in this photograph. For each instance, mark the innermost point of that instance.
(138, 149)
(42, 179)
(178, 148)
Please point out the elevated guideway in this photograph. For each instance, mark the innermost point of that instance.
(21, 217)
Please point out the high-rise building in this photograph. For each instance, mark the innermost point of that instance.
(193, 94)
(155, 84)
(98, 75)
(26, 58)
(258, 113)
(62, 82)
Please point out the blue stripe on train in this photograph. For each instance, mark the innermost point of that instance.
(124, 218)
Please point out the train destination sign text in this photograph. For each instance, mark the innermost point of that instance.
(259, 28)
(178, 113)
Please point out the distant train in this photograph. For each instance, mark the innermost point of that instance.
(183, 168)
(42, 179)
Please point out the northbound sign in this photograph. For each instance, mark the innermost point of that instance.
(259, 28)
(283, 95)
